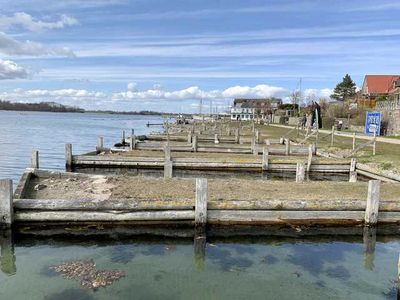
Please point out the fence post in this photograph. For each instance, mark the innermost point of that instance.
(353, 173)
(35, 159)
(265, 159)
(68, 155)
(257, 136)
(200, 212)
(237, 136)
(6, 202)
(333, 135)
(354, 141)
(189, 139)
(371, 211)
(300, 172)
(123, 137)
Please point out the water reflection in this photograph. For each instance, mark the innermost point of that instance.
(322, 258)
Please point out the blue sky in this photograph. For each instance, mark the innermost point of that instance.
(167, 55)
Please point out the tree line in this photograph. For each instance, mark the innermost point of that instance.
(42, 106)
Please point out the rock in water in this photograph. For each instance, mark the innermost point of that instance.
(87, 273)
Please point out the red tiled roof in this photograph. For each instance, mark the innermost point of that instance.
(380, 84)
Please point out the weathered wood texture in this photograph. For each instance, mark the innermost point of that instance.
(35, 159)
(6, 202)
(201, 201)
(68, 155)
(300, 172)
(371, 211)
(23, 184)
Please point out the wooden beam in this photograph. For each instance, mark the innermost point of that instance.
(300, 172)
(310, 155)
(371, 211)
(99, 143)
(201, 202)
(265, 159)
(35, 159)
(6, 202)
(68, 155)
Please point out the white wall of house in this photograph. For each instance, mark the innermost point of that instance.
(242, 113)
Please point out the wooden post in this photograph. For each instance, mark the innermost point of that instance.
(35, 159)
(398, 278)
(199, 246)
(314, 149)
(268, 142)
(374, 144)
(265, 159)
(254, 148)
(200, 211)
(133, 142)
(167, 152)
(194, 143)
(371, 211)
(167, 162)
(310, 155)
(68, 155)
(300, 172)
(167, 130)
(7, 261)
(281, 141)
(123, 137)
(189, 137)
(287, 147)
(369, 241)
(353, 173)
(6, 202)
(216, 140)
(99, 143)
(354, 141)
(257, 136)
(237, 136)
(333, 135)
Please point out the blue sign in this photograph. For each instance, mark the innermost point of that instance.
(373, 123)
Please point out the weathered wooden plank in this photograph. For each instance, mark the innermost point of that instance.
(23, 184)
(284, 217)
(371, 211)
(35, 159)
(6, 199)
(300, 172)
(68, 155)
(201, 201)
(81, 216)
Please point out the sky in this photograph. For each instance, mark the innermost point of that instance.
(170, 55)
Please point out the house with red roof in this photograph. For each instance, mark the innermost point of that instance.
(378, 85)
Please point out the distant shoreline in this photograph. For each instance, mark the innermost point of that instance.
(59, 108)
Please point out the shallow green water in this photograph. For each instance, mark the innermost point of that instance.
(227, 268)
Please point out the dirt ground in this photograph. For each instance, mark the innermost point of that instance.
(146, 188)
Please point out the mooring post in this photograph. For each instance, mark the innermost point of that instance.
(237, 136)
(189, 138)
(167, 152)
(194, 143)
(265, 159)
(200, 211)
(99, 144)
(333, 135)
(287, 147)
(253, 146)
(353, 173)
(68, 155)
(310, 155)
(35, 159)
(281, 141)
(199, 245)
(369, 241)
(7, 259)
(371, 211)
(314, 149)
(354, 141)
(123, 137)
(132, 143)
(6, 202)
(300, 172)
(267, 142)
(216, 140)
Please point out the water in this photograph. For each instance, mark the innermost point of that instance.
(22, 132)
(227, 268)
(236, 267)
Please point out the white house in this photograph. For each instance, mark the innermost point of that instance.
(242, 113)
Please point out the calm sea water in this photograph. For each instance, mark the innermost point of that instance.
(22, 132)
(331, 267)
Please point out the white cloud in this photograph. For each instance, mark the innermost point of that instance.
(194, 92)
(317, 93)
(131, 86)
(10, 70)
(10, 46)
(26, 21)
